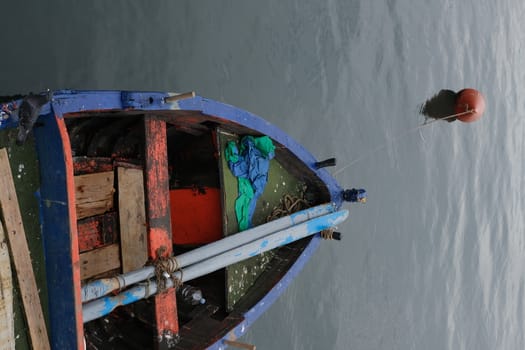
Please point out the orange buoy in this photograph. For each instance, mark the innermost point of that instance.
(470, 104)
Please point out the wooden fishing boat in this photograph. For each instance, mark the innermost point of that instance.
(143, 181)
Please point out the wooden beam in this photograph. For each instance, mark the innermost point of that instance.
(159, 223)
(7, 326)
(133, 233)
(21, 256)
(183, 96)
(94, 194)
(239, 345)
(99, 260)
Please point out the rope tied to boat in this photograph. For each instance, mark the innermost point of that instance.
(165, 268)
(288, 205)
(330, 233)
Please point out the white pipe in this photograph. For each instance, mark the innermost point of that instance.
(103, 306)
(104, 286)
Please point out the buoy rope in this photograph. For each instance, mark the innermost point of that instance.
(405, 133)
(468, 111)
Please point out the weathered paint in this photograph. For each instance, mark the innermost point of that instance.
(101, 287)
(262, 245)
(94, 232)
(78, 101)
(59, 230)
(92, 165)
(103, 306)
(159, 222)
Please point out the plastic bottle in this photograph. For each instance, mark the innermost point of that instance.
(191, 295)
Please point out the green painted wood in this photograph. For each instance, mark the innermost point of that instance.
(24, 166)
(241, 276)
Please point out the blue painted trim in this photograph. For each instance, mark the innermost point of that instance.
(71, 101)
(56, 234)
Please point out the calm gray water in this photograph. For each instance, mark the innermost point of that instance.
(436, 258)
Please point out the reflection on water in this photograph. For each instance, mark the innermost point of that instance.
(436, 257)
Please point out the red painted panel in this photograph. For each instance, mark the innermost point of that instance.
(196, 216)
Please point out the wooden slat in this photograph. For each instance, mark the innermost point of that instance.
(21, 256)
(239, 345)
(133, 233)
(7, 327)
(94, 194)
(99, 260)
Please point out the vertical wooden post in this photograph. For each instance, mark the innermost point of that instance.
(159, 224)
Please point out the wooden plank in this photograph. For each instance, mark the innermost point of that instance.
(7, 324)
(99, 260)
(159, 223)
(94, 194)
(239, 345)
(133, 233)
(21, 256)
(97, 231)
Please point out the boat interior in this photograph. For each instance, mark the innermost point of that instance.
(111, 166)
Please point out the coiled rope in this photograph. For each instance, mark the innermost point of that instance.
(288, 205)
(165, 269)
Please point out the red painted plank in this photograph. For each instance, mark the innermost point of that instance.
(97, 231)
(157, 187)
(159, 223)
